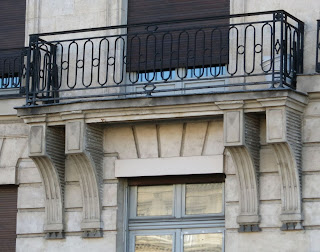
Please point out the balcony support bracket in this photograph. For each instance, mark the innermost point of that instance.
(241, 139)
(84, 147)
(284, 127)
(46, 149)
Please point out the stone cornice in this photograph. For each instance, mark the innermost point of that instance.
(155, 108)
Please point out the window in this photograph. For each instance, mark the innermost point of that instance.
(176, 217)
(12, 35)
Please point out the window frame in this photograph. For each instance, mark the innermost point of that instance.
(177, 224)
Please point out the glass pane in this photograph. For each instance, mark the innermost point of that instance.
(155, 200)
(202, 242)
(203, 198)
(153, 243)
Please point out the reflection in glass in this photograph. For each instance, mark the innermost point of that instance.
(155, 200)
(153, 243)
(203, 198)
(202, 242)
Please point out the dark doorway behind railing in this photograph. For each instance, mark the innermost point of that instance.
(254, 51)
(12, 70)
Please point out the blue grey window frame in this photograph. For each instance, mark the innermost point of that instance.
(176, 224)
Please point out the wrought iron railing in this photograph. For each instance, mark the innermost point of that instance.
(254, 51)
(318, 48)
(12, 69)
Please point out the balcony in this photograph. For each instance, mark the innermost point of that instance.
(246, 52)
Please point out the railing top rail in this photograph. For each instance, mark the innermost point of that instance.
(170, 22)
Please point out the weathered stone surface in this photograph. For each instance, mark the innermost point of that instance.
(194, 138)
(169, 166)
(109, 218)
(73, 196)
(7, 175)
(74, 136)
(72, 221)
(146, 140)
(270, 214)
(12, 149)
(310, 135)
(231, 188)
(7, 106)
(37, 140)
(275, 125)
(268, 162)
(270, 240)
(14, 129)
(233, 128)
(120, 140)
(31, 196)
(311, 158)
(28, 175)
(231, 213)
(70, 244)
(270, 187)
(214, 139)
(229, 167)
(263, 130)
(30, 222)
(108, 167)
(170, 139)
(311, 186)
(109, 195)
(71, 174)
(311, 212)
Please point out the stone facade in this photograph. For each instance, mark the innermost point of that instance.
(72, 161)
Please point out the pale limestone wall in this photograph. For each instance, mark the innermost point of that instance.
(124, 142)
(60, 15)
(193, 138)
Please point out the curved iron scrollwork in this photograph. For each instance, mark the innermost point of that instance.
(216, 54)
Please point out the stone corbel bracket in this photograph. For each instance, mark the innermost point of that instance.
(84, 146)
(284, 134)
(46, 149)
(241, 139)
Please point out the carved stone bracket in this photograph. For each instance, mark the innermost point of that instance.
(241, 139)
(284, 134)
(46, 149)
(84, 147)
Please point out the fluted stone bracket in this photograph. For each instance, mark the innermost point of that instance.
(46, 149)
(241, 139)
(284, 134)
(85, 149)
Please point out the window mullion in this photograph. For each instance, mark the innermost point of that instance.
(178, 201)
